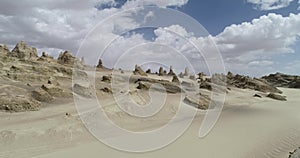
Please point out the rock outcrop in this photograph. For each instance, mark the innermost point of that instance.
(41, 95)
(139, 71)
(161, 72)
(186, 71)
(171, 72)
(106, 79)
(100, 64)
(283, 80)
(66, 58)
(244, 82)
(198, 102)
(175, 79)
(23, 51)
(82, 90)
(277, 97)
(18, 104)
(169, 87)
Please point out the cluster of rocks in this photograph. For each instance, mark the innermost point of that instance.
(283, 80)
(146, 83)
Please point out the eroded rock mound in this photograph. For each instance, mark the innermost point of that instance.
(139, 71)
(175, 79)
(23, 51)
(171, 72)
(161, 72)
(168, 86)
(283, 80)
(66, 58)
(18, 103)
(198, 102)
(277, 97)
(42, 95)
(82, 90)
(244, 82)
(55, 91)
(4, 50)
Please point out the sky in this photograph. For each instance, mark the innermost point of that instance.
(253, 37)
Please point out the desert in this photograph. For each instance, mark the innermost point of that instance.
(39, 118)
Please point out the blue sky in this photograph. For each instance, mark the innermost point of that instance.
(215, 15)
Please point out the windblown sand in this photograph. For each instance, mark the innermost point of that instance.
(248, 127)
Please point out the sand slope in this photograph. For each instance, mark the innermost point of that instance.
(248, 127)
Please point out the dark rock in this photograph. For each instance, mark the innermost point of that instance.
(277, 97)
(161, 72)
(171, 72)
(175, 79)
(148, 71)
(257, 95)
(100, 64)
(106, 90)
(106, 79)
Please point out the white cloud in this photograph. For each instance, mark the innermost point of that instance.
(63, 24)
(268, 34)
(270, 4)
(245, 47)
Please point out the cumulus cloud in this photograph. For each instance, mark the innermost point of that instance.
(248, 46)
(270, 4)
(60, 25)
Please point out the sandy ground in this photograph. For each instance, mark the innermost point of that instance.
(248, 127)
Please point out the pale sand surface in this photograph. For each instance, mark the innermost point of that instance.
(248, 128)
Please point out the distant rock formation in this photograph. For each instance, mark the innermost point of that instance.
(66, 58)
(175, 79)
(146, 83)
(283, 80)
(180, 75)
(171, 72)
(45, 57)
(201, 76)
(244, 82)
(186, 71)
(161, 72)
(100, 64)
(139, 71)
(148, 71)
(23, 51)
